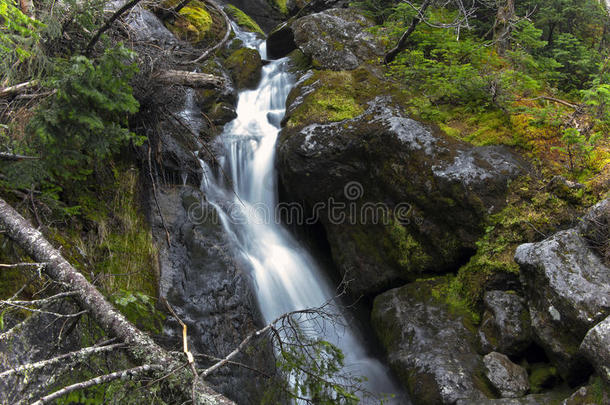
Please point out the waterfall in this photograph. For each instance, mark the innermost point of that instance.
(244, 192)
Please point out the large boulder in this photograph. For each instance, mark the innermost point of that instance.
(507, 377)
(208, 290)
(246, 66)
(335, 39)
(395, 197)
(596, 348)
(506, 325)
(430, 346)
(567, 286)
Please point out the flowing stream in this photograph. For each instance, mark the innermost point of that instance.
(244, 193)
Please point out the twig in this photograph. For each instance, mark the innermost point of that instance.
(132, 372)
(42, 311)
(12, 156)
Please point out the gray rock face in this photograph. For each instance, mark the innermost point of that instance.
(145, 26)
(505, 326)
(336, 39)
(509, 379)
(208, 290)
(596, 348)
(429, 348)
(435, 190)
(568, 291)
(588, 395)
(533, 399)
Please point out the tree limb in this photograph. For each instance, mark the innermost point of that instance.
(132, 372)
(402, 42)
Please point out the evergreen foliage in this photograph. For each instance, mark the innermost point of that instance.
(85, 122)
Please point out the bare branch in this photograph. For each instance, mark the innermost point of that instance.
(127, 6)
(40, 302)
(132, 372)
(80, 355)
(11, 156)
(17, 89)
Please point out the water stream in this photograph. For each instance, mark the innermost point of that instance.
(244, 192)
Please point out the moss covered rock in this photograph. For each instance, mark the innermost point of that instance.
(430, 344)
(244, 20)
(193, 22)
(245, 66)
(419, 197)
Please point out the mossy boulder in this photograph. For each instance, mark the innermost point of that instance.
(218, 104)
(244, 20)
(193, 22)
(420, 197)
(568, 291)
(265, 13)
(596, 348)
(245, 66)
(430, 344)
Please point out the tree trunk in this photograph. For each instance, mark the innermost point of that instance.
(503, 25)
(141, 347)
(190, 79)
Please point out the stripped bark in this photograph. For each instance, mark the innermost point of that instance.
(141, 346)
(190, 79)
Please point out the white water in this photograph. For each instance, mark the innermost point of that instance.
(286, 276)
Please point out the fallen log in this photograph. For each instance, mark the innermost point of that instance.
(190, 79)
(140, 346)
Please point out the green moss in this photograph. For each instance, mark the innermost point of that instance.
(404, 249)
(337, 97)
(542, 376)
(450, 292)
(244, 20)
(193, 22)
(280, 5)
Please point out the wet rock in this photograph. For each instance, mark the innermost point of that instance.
(429, 346)
(143, 25)
(568, 291)
(208, 290)
(280, 41)
(596, 348)
(336, 39)
(396, 198)
(316, 6)
(245, 66)
(508, 378)
(218, 104)
(505, 326)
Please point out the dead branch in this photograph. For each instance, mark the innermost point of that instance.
(402, 42)
(17, 89)
(190, 79)
(125, 374)
(13, 157)
(40, 302)
(42, 311)
(576, 107)
(79, 355)
(12, 266)
(224, 40)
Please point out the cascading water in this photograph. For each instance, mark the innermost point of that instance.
(244, 193)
